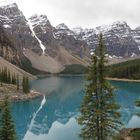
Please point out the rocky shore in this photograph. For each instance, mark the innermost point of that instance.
(17, 95)
(25, 97)
(122, 79)
(129, 134)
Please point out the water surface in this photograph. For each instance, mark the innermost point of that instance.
(54, 118)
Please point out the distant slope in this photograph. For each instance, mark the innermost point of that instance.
(74, 69)
(43, 62)
(129, 69)
(13, 68)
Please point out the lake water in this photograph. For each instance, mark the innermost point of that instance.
(54, 118)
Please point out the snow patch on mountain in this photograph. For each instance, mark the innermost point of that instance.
(62, 26)
(34, 34)
(62, 30)
(133, 55)
(118, 25)
(6, 26)
(39, 20)
(7, 4)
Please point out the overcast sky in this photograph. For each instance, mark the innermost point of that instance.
(84, 13)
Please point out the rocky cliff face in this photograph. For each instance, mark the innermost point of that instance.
(54, 38)
(49, 48)
(36, 38)
(120, 39)
(7, 51)
(17, 29)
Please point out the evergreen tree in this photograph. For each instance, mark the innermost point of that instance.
(17, 82)
(13, 79)
(9, 77)
(0, 77)
(138, 103)
(99, 116)
(7, 131)
(25, 85)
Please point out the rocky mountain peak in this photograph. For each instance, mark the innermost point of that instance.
(9, 6)
(78, 30)
(138, 28)
(11, 14)
(62, 30)
(62, 26)
(118, 26)
(39, 20)
(119, 23)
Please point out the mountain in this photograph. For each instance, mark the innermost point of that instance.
(119, 38)
(14, 69)
(36, 45)
(56, 41)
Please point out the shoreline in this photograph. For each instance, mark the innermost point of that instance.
(17, 95)
(81, 75)
(26, 97)
(122, 80)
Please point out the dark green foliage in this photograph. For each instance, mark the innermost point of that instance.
(25, 85)
(13, 79)
(129, 69)
(7, 130)
(135, 134)
(17, 82)
(75, 69)
(7, 77)
(99, 116)
(138, 103)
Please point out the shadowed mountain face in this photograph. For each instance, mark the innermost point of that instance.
(7, 50)
(32, 37)
(49, 48)
(119, 38)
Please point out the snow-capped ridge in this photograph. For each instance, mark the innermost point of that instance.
(8, 5)
(138, 28)
(78, 30)
(120, 22)
(118, 25)
(62, 26)
(34, 34)
(41, 20)
(62, 30)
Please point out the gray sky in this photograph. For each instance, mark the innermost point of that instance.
(84, 13)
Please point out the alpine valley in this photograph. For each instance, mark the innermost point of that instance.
(36, 46)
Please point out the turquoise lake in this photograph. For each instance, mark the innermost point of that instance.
(54, 117)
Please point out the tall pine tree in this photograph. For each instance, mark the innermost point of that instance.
(25, 85)
(99, 112)
(17, 82)
(7, 130)
(138, 103)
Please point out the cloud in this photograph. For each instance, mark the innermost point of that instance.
(85, 13)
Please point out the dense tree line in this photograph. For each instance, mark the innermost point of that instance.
(25, 84)
(7, 128)
(99, 112)
(7, 77)
(10, 78)
(129, 69)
